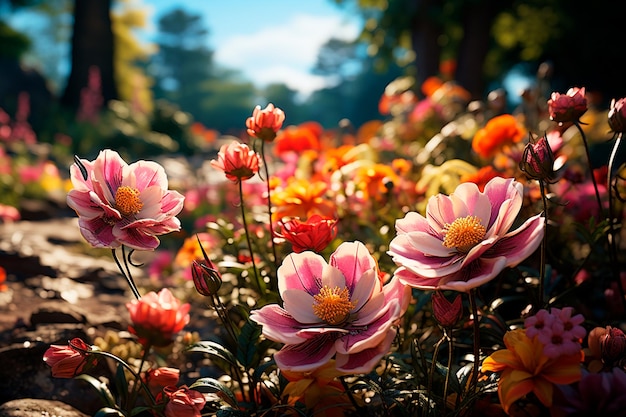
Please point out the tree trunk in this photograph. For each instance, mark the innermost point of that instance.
(425, 33)
(92, 46)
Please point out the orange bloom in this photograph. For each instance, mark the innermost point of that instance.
(524, 369)
(190, 250)
(499, 131)
(482, 177)
(297, 139)
(376, 181)
(302, 199)
(3, 278)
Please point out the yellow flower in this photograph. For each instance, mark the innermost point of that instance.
(526, 369)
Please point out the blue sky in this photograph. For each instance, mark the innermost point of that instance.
(269, 40)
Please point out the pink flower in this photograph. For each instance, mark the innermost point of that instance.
(67, 361)
(157, 317)
(159, 378)
(183, 402)
(314, 234)
(557, 330)
(340, 309)
(120, 204)
(464, 241)
(567, 107)
(265, 123)
(238, 161)
(617, 115)
(9, 213)
(538, 323)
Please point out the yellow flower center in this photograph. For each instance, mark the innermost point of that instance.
(463, 233)
(333, 305)
(127, 200)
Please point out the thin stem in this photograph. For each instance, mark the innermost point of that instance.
(433, 369)
(476, 324)
(138, 382)
(544, 242)
(269, 203)
(612, 233)
(447, 383)
(128, 276)
(593, 178)
(245, 228)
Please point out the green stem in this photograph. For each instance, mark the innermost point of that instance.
(447, 383)
(476, 347)
(593, 178)
(127, 275)
(245, 228)
(269, 202)
(544, 243)
(138, 382)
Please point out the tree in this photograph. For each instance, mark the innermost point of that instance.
(92, 46)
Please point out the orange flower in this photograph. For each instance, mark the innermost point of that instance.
(264, 124)
(318, 390)
(3, 278)
(499, 131)
(376, 181)
(302, 199)
(482, 177)
(190, 250)
(524, 368)
(297, 139)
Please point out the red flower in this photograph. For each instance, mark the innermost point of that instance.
(183, 402)
(617, 115)
(238, 161)
(298, 139)
(67, 361)
(314, 234)
(499, 131)
(159, 378)
(265, 123)
(157, 317)
(567, 107)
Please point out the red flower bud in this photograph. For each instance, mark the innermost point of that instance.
(447, 313)
(567, 107)
(538, 160)
(613, 345)
(617, 115)
(70, 360)
(206, 277)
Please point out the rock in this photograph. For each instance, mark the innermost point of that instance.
(31, 407)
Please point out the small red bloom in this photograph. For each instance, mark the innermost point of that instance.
(159, 378)
(567, 107)
(265, 123)
(67, 361)
(183, 402)
(238, 161)
(314, 234)
(617, 115)
(157, 317)
(538, 160)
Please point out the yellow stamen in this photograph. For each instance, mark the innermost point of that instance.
(333, 305)
(127, 200)
(463, 233)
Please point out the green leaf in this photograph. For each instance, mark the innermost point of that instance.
(214, 350)
(247, 343)
(108, 412)
(101, 387)
(213, 386)
(230, 412)
(121, 384)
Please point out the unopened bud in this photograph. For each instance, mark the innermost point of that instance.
(206, 278)
(538, 160)
(617, 115)
(447, 313)
(613, 345)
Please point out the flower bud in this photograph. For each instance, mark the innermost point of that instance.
(613, 345)
(567, 107)
(447, 313)
(538, 160)
(206, 278)
(617, 115)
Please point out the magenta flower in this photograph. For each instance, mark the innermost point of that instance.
(339, 309)
(464, 241)
(120, 204)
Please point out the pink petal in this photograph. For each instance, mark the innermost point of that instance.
(370, 334)
(149, 174)
(413, 222)
(98, 233)
(410, 278)
(299, 304)
(277, 324)
(368, 285)
(133, 238)
(78, 180)
(301, 271)
(403, 252)
(308, 355)
(500, 190)
(352, 259)
(429, 244)
(107, 171)
(364, 361)
(520, 243)
(332, 277)
(478, 273)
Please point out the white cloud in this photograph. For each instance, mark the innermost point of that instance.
(285, 52)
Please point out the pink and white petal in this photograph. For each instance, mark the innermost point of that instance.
(299, 304)
(277, 324)
(474, 275)
(439, 212)
(172, 202)
(500, 190)
(352, 259)
(83, 205)
(301, 271)
(520, 243)
(149, 174)
(412, 222)
(428, 244)
(395, 290)
(368, 286)
(107, 170)
(477, 203)
(364, 361)
(151, 199)
(374, 307)
(414, 280)
(308, 355)
(403, 253)
(370, 334)
(78, 181)
(332, 277)
(98, 233)
(134, 238)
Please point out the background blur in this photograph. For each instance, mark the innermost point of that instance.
(170, 72)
